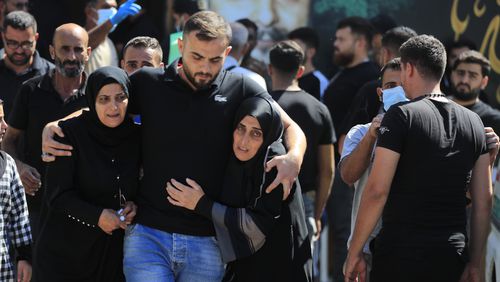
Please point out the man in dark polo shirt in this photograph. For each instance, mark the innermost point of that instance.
(429, 152)
(316, 174)
(469, 76)
(41, 100)
(187, 112)
(21, 61)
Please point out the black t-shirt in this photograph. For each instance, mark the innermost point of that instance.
(314, 119)
(185, 134)
(340, 92)
(10, 82)
(364, 108)
(438, 144)
(37, 104)
(310, 83)
(489, 115)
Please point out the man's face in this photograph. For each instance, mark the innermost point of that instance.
(467, 81)
(202, 60)
(454, 53)
(101, 4)
(19, 44)
(344, 46)
(390, 79)
(16, 5)
(70, 53)
(136, 58)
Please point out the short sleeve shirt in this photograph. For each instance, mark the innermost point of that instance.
(438, 144)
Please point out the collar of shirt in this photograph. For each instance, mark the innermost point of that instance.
(47, 84)
(37, 65)
(230, 62)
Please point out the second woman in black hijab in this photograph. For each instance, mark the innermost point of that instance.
(261, 237)
(87, 201)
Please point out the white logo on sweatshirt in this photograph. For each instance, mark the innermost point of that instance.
(220, 98)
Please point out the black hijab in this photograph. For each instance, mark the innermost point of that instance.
(250, 175)
(103, 134)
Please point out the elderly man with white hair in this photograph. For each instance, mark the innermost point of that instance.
(239, 44)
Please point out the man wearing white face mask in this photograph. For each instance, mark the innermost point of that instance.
(102, 17)
(357, 153)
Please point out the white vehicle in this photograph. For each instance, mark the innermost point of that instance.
(492, 263)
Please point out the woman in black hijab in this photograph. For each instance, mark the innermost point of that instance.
(87, 201)
(261, 237)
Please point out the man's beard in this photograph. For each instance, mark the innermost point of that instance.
(199, 85)
(470, 95)
(18, 62)
(343, 60)
(73, 72)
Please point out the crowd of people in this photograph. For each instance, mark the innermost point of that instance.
(191, 160)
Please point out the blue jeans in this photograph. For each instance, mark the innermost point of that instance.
(154, 255)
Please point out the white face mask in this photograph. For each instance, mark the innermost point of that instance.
(105, 14)
(393, 96)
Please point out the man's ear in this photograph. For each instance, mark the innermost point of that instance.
(180, 44)
(52, 52)
(228, 50)
(410, 70)
(484, 82)
(300, 72)
(270, 69)
(379, 93)
(89, 52)
(122, 63)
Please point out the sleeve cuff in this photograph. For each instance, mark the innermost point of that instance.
(204, 207)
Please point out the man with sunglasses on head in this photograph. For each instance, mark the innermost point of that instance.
(21, 61)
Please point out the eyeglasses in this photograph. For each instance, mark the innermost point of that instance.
(25, 45)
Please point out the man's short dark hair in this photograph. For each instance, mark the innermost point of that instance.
(20, 20)
(286, 57)
(189, 7)
(427, 54)
(394, 64)
(359, 26)
(208, 26)
(382, 23)
(474, 57)
(307, 35)
(145, 42)
(395, 37)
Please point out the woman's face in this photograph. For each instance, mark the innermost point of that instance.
(111, 105)
(247, 138)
